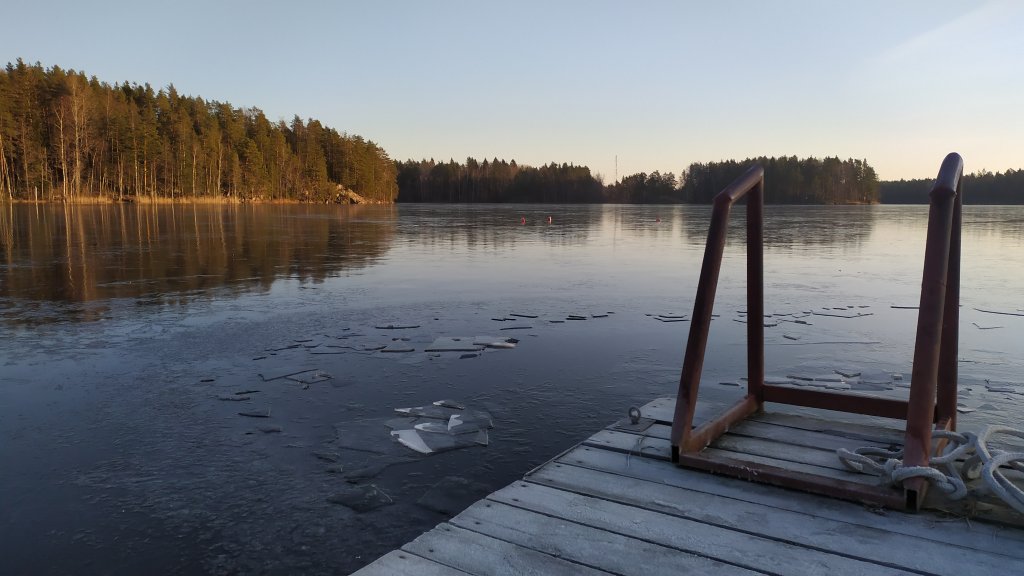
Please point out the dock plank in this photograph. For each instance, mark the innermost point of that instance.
(854, 430)
(806, 438)
(658, 448)
(401, 563)
(979, 535)
(777, 433)
(795, 534)
(662, 410)
(746, 445)
(724, 543)
(482, 555)
(597, 548)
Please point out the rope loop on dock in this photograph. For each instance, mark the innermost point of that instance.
(979, 461)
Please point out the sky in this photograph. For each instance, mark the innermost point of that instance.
(621, 87)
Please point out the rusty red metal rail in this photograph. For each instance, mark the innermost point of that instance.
(932, 397)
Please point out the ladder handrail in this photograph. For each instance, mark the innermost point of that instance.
(934, 378)
(750, 182)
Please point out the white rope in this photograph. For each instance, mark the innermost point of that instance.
(981, 462)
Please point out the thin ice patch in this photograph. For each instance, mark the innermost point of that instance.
(361, 498)
(493, 342)
(454, 344)
(442, 426)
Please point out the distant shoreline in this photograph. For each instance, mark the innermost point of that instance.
(162, 200)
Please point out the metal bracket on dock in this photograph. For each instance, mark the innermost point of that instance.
(933, 389)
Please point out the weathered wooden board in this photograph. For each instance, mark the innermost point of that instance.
(745, 445)
(662, 409)
(736, 544)
(658, 448)
(978, 535)
(837, 427)
(740, 523)
(593, 547)
(636, 444)
(477, 553)
(797, 437)
(777, 433)
(401, 563)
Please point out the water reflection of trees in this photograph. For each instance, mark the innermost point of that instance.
(71, 253)
(501, 226)
(787, 227)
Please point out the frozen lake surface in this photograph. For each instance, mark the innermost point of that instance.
(135, 336)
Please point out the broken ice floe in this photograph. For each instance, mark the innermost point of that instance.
(998, 386)
(837, 313)
(395, 348)
(361, 498)
(670, 317)
(494, 342)
(985, 326)
(1002, 312)
(309, 376)
(453, 344)
(440, 427)
(452, 494)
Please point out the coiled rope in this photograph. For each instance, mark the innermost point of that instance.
(979, 462)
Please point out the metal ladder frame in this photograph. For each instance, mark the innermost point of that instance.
(933, 387)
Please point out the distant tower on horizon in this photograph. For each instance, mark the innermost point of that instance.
(616, 168)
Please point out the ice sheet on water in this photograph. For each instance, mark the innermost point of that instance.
(435, 442)
(453, 494)
(432, 411)
(493, 342)
(454, 344)
(361, 498)
(440, 427)
(398, 348)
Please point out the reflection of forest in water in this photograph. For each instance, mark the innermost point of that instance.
(81, 253)
(498, 225)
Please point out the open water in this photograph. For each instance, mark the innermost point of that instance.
(129, 333)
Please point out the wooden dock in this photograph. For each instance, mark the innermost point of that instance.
(615, 504)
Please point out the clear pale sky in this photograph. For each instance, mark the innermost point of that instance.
(658, 84)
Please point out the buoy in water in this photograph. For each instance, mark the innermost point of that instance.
(522, 220)
(549, 219)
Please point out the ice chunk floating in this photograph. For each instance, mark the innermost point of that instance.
(439, 427)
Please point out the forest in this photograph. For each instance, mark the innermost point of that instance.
(979, 188)
(789, 181)
(495, 181)
(67, 137)
(793, 180)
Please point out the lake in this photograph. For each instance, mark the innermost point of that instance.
(133, 336)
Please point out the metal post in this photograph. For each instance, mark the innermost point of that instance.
(935, 286)
(700, 323)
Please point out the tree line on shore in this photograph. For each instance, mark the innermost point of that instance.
(982, 187)
(796, 181)
(495, 181)
(64, 136)
(67, 137)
